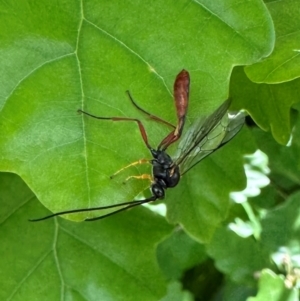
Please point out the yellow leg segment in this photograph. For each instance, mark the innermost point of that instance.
(141, 177)
(142, 161)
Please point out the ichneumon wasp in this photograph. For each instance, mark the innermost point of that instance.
(203, 137)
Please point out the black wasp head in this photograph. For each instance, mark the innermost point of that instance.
(158, 191)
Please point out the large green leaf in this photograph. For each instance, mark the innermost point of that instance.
(284, 63)
(60, 56)
(59, 260)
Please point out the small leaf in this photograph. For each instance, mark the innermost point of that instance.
(268, 105)
(283, 64)
(271, 287)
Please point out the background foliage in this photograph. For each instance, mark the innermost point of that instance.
(57, 57)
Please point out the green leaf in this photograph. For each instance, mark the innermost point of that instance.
(283, 64)
(281, 226)
(236, 291)
(268, 105)
(59, 260)
(178, 253)
(175, 293)
(241, 259)
(271, 287)
(284, 161)
(60, 56)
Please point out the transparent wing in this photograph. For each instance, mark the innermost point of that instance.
(207, 135)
